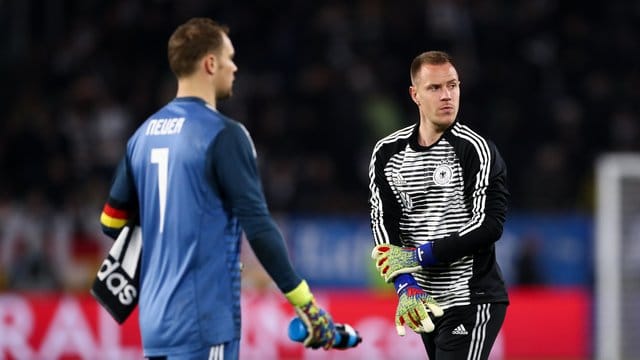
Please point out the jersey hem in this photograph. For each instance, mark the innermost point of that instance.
(184, 349)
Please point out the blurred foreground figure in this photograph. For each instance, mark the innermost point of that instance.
(190, 176)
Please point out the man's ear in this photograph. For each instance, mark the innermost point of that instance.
(210, 63)
(413, 94)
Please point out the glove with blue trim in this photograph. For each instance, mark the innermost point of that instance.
(392, 260)
(414, 306)
(320, 326)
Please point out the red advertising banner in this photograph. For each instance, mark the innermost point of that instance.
(53, 326)
(548, 324)
(540, 324)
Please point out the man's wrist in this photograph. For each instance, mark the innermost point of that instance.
(301, 295)
(424, 254)
(402, 282)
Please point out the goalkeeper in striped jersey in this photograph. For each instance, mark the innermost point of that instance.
(438, 201)
(190, 174)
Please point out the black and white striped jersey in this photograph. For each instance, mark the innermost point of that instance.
(453, 193)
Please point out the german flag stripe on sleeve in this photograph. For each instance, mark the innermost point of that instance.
(113, 218)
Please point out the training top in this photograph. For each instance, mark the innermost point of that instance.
(452, 193)
(190, 174)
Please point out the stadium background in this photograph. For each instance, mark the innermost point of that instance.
(554, 84)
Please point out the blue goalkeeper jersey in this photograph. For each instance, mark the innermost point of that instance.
(190, 175)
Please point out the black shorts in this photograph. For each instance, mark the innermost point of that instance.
(465, 332)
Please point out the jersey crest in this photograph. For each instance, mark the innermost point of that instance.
(442, 175)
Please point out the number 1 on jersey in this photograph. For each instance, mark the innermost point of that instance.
(160, 156)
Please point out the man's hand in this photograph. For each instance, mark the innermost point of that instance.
(320, 327)
(413, 305)
(392, 260)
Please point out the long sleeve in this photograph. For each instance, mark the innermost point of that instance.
(232, 160)
(385, 209)
(485, 188)
(122, 204)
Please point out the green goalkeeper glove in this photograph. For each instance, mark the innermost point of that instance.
(320, 326)
(412, 306)
(392, 260)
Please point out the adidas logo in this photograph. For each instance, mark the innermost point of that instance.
(460, 330)
(113, 275)
(402, 286)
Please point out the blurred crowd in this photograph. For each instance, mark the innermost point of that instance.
(552, 83)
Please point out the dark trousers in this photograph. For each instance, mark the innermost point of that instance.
(465, 332)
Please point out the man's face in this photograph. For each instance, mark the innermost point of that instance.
(436, 91)
(225, 69)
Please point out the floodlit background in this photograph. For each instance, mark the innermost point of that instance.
(553, 83)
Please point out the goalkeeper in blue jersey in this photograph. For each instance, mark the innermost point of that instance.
(190, 176)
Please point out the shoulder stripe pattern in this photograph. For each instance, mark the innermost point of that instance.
(377, 224)
(482, 178)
